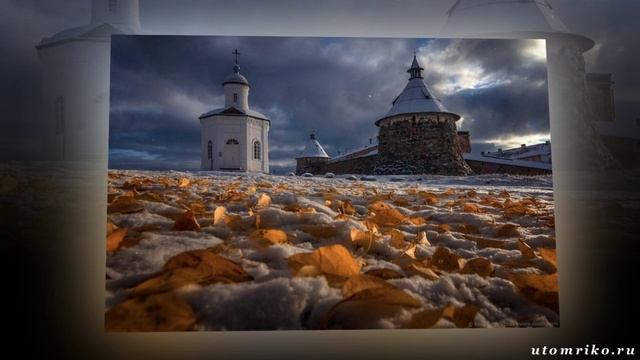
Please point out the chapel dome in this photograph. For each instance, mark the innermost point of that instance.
(235, 77)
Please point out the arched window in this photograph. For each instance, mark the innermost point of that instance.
(235, 98)
(113, 5)
(232, 142)
(59, 108)
(209, 150)
(256, 150)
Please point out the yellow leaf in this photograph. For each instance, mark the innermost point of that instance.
(184, 182)
(333, 261)
(264, 200)
(480, 266)
(163, 312)
(219, 215)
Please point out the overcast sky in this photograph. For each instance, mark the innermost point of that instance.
(335, 90)
(337, 87)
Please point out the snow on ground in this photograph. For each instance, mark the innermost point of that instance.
(507, 220)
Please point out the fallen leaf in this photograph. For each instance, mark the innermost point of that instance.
(115, 238)
(486, 242)
(240, 223)
(361, 282)
(526, 250)
(508, 230)
(321, 231)
(421, 238)
(162, 312)
(541, 289)
(462, 316)
(444, 228)
(425, 319)
(470, 208)
(184, 182)
(397, 239)
(125, 204)
(200, 267)
(384, 273)
(385, 215)
(264, 200)
(479, 265)
(446, 260)
(423, 271)
(219, 215)
(549, 255)
(365, 308)
(269, 236)
(333, 261)
(186, 222)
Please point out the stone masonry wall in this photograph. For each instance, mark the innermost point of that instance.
(361, 165)
(311, 165)
(420, 143)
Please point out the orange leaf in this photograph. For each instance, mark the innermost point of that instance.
(361, 282)
(549, 255)
(508, 230)
(446, 260)
(385, 215)
(419, 269)
(163, 312)
(264, 200)
(184, 182)
(485, 242)
(470, 208)
(269, 236)
(541, 289)
(115, 238)
(186, 222)
(333, 261)
(480, 266)
(125, 204)
(425, 319)
(219, 215)
(397, 239)
(384, 273)
(321, 231)
(526, 250)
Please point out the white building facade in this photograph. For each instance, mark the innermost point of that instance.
(235, 138)
(76, 78)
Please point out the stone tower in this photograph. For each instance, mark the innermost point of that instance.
(313, 159)
(418, 135)
(235, 137)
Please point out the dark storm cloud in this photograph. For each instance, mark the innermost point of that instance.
(336, 87)
(341, 107)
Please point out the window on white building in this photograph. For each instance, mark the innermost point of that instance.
(256, 150)
(235, 97)
(232, 142)
(209, 150)
(59, 109)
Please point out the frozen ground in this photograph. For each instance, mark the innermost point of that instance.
(288, 252)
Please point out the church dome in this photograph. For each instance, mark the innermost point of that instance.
(236, 77)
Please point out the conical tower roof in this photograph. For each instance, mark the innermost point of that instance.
(416, 97)
(313, 149)
(535, 18)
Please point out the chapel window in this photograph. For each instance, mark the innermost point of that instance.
(235, 97)
(256, 150)
(209, 150)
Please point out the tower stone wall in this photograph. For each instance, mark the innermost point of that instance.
(312, 165)
(420, 143)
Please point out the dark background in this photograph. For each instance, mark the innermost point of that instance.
(52, 239)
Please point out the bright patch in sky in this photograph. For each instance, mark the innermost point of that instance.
(537, 50)
(509, 142)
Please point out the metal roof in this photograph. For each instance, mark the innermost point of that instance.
(235, 77)
(95, 32)
(415, 97)
(232, 111)
(313, 149)
(521, 163)
(499, 16)
(356, 153)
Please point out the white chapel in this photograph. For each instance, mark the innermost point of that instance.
(234, 137)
